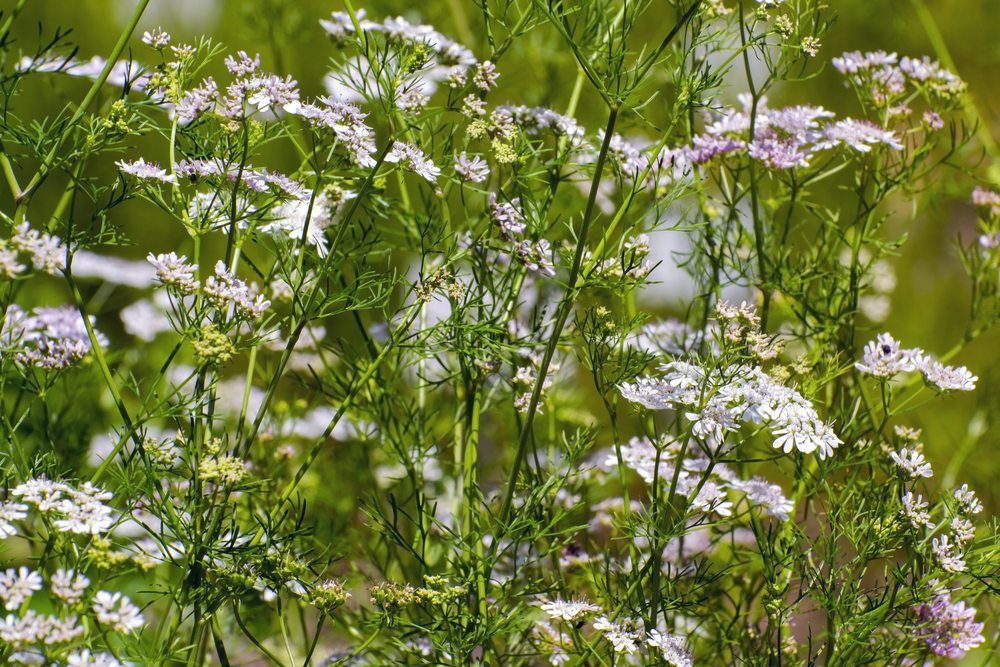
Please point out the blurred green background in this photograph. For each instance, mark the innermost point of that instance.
(930, 301)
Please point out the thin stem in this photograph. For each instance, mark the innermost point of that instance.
(565, 306)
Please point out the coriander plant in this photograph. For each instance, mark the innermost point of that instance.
(360, 372)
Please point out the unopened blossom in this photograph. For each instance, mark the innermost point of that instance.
(116, 611)
(949, 628)
(912, 463)
(471, 169)
(672, 647)
(146, 170)
(568, 610)
(16, 586)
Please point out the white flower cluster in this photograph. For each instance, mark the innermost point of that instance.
(884, 357)
(622, 637)
(650, 461)
(16, 586)
(49, 338)
(345, 121)
(223, 289)
(175, 272)
(146, 170)
(568, 610)
(535, 256)
(450, 61)
(42, 638)
(719, 399)
(82, 511)
(309, 215)
(116, 611)
(672, 647)
(45, 252)
(412, 158)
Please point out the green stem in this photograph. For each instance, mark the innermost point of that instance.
(88, 99)
(565, 306)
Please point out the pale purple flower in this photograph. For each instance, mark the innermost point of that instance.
(507, 216)
(706, 147)
(768, 496)
(857, 134)
(197, 101)
(949, 628)
(912, 463)
(50, 338)
(884, 357)
(413, 158)
(471, 169)
(146, 170)
(968, 503)
(173, 271)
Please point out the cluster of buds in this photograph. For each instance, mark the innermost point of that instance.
(441, 280)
